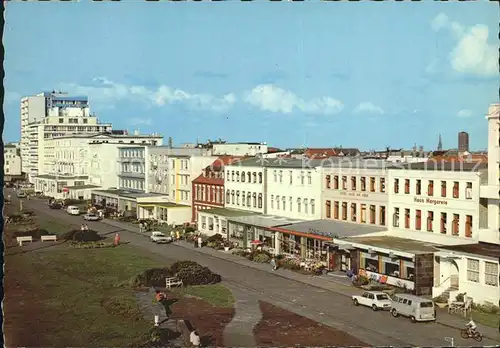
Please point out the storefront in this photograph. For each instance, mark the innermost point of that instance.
(124, 200)
(170, 213)
(404, 263)
(214, 221)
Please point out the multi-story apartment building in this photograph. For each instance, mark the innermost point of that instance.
(132, 168)
(293, 189)
(68, 161)
(239, 149)
(12, 166)
(355, 191)
(52, 114)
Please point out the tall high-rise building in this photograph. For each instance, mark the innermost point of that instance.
(52, 114)
(440, 144)
(463, 142)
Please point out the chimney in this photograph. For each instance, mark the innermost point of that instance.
(170, 142)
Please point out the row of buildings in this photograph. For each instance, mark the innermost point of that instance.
(428, 224)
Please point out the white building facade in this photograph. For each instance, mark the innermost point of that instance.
(12, 166)
(239, 149)
(355, 193)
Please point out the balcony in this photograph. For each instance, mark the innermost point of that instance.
(489, 191)
(136, 175)
(131, 160)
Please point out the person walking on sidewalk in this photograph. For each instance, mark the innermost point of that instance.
(200, 242)
(273, 264)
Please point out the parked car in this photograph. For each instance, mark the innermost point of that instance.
(73, 210)
(55, 206)
(159, 238)
(414, 307)
(374, 299)
(91, 217)
(21, 195)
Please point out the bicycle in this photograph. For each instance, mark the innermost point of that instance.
(466, 333)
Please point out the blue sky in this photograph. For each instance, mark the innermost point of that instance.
(320, 74)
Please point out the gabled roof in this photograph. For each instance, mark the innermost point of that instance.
(202, 179)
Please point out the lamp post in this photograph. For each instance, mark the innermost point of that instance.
(450, 340)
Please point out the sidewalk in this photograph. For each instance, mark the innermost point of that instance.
(330, 283)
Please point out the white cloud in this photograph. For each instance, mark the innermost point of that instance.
(368, 107)
(472, 54)
(107, 93)
(275, 99)
(12, 97)
(464, 113)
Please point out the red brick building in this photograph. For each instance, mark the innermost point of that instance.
(208, 188)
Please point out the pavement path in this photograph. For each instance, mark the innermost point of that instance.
(313, 297)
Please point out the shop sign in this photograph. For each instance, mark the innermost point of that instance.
(428, 200)
(354, 194)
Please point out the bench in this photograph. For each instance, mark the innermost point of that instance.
(185, 328)
(49, 238)
(21, 240)
(173, 281)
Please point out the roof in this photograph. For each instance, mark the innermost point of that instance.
(82, 187)
(466, 158)
(61, 177)
(222, 161)
(278, 162)
(202, 179)
(320, 153)
(163, 205)
(106, 135)
(332, 228)
(396, 243)
(445, 166)
(128, 194)
(228, 212)
(482, 249)
(266, 221)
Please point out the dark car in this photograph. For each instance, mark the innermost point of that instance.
(55, 206)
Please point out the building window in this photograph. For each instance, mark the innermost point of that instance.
(468, 191)
(336, 210)
(473, 271)
(290, 202)
(243, 176)
(443, 223)
(328, 207)
(291, 177)
(344, 211)
(232, 197)
(344, 183)
(243, 198)
(382, 216)
(407, 186)
(254, 174)
(407, 218)
(254, 196)
(372, 214)
(363, 213)
(430, 219)
(61, 120)
(283, 200)
(237, 176)
(468, 226)
(418, 220)
(456, 189)
(430, 188)
(395, 218)
(278, 202)
(443, 188)
(363, 183)
(232, 175)
(260, 178)
(249, 177)
(328, 181)
(299, 206)
(260, 200)
(419, 187)
(309, 178)
(275, 175)
(382, 184)
(353, 212)
(272, 201)
(249, 199)
(336, 182)
(306, 206)
(372, 184)
(491, 273)
(237, 197)
(396, 185)
(456, 224)
(353, 183)
(302, 178)
(228, 196)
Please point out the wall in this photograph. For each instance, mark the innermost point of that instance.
(293, 184)
(424, 274)
(480, 292)
(12, 161)
(179, 215)
(435, 204)
(233, 184)
(239, 149)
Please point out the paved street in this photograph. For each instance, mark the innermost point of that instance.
(329, 307)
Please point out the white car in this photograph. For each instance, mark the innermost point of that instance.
(91, 217)
(159, 238)
(374, 299)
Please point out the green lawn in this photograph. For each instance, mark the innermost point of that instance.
(54, 226)
(217, 295)
(83, 288)
(488, 319)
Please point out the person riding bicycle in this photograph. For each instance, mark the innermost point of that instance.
(471, 327)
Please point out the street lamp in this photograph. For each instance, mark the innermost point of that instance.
(450, 340)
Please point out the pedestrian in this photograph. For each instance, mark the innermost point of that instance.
(82, 227)
(172, 235)
(194, 338)
(177, 235)
(200, 242)
(273, 264)
(140, 227)
(85, 227)
(195, 240)
(117, 239)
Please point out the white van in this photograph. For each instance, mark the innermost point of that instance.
(414, 307)
(73, 210)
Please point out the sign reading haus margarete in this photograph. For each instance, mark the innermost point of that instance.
(428, 200)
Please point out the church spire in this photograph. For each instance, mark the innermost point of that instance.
(440, 144)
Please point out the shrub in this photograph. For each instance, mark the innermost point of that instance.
(361, 280)
(198, 275)
(82, 236)
(91, 245)
(488, 307)
(152, 277)
(189, 229)
(215, 238)
(240, 252)
(262, 258)
(460, 297)
(177, 266)
(289, 264)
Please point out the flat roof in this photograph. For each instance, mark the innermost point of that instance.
(61, 177)
(332, 228)
(453, 166)
(128, 194)
(277, 162)
(163, 205)
(395, 243)
(82, 187)
(266, 221)
(228, 212)
(483, 249)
